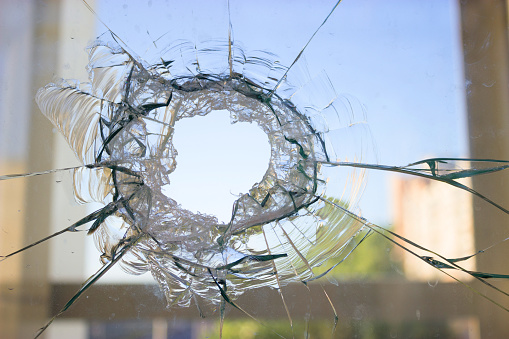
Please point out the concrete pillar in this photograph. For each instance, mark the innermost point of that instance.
(486, 53)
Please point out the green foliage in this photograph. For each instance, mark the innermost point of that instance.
(250, 329)
(373, 258)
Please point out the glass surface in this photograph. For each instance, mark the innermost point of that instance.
(335, 92)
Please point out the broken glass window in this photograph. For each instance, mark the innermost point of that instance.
(121, 125)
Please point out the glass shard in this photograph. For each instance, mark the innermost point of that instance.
(123, 122)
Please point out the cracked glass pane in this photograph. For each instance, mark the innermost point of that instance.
(121, 125)
(298, 220)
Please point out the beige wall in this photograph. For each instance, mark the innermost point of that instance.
(436, 216)
(36, 38)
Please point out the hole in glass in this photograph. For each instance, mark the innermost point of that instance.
(216, 162)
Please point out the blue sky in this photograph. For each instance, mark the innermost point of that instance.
(400, 59)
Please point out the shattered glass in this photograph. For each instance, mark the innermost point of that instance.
(302, 212)
(123, 121)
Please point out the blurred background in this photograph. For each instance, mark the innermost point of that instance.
(432, 79)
